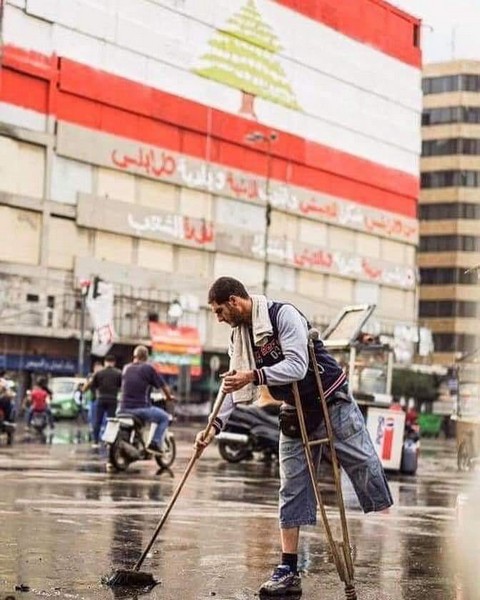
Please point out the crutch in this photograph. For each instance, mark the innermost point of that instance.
(341, 550)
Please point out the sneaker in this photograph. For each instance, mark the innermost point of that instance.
(154, 448)
(282, 582)
(110, 468)
(95, 446)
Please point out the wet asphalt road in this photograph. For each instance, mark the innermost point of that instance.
(65, 523)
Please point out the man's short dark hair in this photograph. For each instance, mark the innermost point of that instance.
(223, 288)
(110, 358)
(141, 353)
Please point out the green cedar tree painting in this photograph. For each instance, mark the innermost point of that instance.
(243, 55)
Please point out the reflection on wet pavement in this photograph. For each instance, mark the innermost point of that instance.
(66, 523)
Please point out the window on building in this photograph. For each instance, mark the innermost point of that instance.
(448, 308)
(470, 83)
(440, 147)
(439, 179)
(448, 276)
(451, 114)
(451, 83)
(449, 243)
(449, 342)
(469, 146)
(32, 298)
(448, 210)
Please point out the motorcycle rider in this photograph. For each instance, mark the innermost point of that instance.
(138, 378)
(39, 397)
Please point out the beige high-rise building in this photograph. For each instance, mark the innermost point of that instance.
(449, 208)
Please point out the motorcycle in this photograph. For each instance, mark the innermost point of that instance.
(127, 438)
(39, 422)
(7, 428)
(250, 429)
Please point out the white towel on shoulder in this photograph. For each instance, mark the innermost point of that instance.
(241, 351)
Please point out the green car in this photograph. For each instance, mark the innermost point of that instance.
(63, 403)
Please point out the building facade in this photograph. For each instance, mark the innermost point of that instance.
(449, 208)
(159, 144)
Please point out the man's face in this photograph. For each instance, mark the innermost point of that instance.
(228, 312)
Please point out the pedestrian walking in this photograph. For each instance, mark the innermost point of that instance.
(106, 384)
(269, 346)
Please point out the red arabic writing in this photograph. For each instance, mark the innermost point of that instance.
(201, 233)
(159, 164)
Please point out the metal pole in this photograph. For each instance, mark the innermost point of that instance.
(84, 287)
(268, 216)
(81, 344)
(256, 136)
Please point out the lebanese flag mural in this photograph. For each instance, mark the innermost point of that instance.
(344, 101)
(243, 55)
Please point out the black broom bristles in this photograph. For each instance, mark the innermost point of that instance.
(129, 578)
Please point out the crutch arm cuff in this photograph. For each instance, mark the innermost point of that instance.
(217, 425)
(259, 377)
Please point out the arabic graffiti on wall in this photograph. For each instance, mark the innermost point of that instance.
(174, 226)
(157, 163)
(202, 176)
(141, 221)
(305, 256)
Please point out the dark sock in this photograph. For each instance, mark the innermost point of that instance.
(290, 560)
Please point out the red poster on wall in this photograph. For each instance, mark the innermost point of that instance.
(173, 347)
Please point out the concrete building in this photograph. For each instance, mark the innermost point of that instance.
(450, 208)
(141, 142)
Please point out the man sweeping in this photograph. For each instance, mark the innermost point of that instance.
(269, 346)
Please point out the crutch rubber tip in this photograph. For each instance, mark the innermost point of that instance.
(350, 593)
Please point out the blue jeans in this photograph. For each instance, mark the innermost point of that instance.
(356, 455)
(152, 414)
(105, 408)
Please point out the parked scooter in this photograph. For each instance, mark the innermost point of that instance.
(127, 438)
(249, 430)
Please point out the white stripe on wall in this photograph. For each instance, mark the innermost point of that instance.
(22, 117)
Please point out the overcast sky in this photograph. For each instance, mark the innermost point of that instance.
(451, 28)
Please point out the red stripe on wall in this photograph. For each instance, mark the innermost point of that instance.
(105, 102)
(372, 22)
(24, 90)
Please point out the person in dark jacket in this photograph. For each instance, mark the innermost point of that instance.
(138, 379)
(6, 401)
(106, 384)
(278, 360)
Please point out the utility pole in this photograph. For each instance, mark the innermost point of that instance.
(254, 137)
(84, 287)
